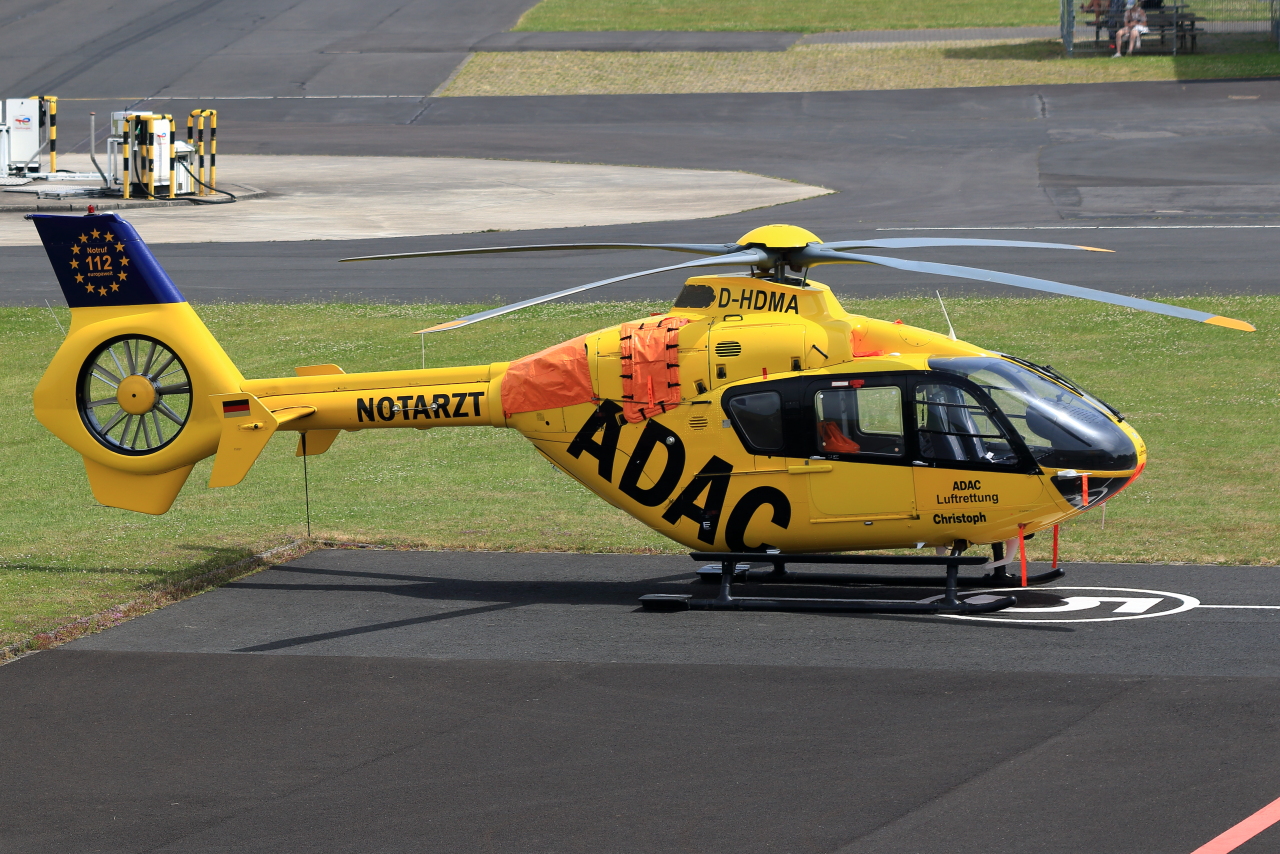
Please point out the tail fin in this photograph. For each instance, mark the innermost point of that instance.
(101, 261)
(129, 389)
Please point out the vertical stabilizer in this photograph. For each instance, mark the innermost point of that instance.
(101, 261)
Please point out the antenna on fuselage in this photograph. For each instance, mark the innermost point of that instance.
(951, 331)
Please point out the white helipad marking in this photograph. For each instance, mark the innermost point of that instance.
(1131, 607)
(1128, 605)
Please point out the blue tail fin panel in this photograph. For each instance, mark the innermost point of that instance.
(100, 260)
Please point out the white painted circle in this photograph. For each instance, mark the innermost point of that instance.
(1186, 604)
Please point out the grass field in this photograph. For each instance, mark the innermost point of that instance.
(818, 68)
(1204, 398)
(806, 16)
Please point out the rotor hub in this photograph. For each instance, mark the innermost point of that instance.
(136, 395)
(779, 237)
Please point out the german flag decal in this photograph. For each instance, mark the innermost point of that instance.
(235, 408)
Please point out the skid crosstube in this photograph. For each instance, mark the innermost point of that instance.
(737, 567)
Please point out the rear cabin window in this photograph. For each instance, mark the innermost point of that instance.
(863, 421)
(759, 418)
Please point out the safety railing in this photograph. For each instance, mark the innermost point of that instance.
(140, 141)
(195, 138)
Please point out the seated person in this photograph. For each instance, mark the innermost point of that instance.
(1098, 8)
(834, 441)
(1115, 20)
(1135, 24)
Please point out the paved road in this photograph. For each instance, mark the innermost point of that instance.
(1091, 164)
(396, 701)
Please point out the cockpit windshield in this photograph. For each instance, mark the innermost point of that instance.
(1061, 429)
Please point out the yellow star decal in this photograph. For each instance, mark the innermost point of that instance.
(123, 276)
(75, 265)
(102, 291)
(80, 280)
(124, 262)
(75, 250)
(88, 288)
(115, 286)
(84, 239)
(119, 246)
(95, 233)
(110, 237)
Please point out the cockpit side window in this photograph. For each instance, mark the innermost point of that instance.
(1060, 428)
(862, 421)
(952, 426)
(758, 418)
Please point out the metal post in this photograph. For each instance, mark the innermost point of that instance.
(53, 131)
(1067, 25)
(93, 144)
(1022, 551)
(173, 155)
(213, 149)
(125, 138)
(196, 119)
(151, 156)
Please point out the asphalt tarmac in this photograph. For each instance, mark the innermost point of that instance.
(409, 701)
(362, 701)
(1181, 179)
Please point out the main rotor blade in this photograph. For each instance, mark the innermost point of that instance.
(748, 256)
(921, 242)
(815, 255)
(695, 248)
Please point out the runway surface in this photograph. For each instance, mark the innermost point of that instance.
(396, 701)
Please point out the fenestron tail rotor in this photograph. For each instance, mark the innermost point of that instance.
(772, 250)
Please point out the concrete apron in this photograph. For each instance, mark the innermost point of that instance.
(350, 198)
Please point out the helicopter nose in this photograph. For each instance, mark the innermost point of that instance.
(1139, 445)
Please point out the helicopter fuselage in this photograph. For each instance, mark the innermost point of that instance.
(758, 414)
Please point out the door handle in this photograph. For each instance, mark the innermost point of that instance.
(808, 469)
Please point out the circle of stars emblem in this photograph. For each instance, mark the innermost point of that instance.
(99, 263)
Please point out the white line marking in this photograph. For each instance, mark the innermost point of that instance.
(245, 98)
(1064, 227)
(1272, 607)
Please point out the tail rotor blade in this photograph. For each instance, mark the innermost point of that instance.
(694, 248)
(748, 256)
(814, 256)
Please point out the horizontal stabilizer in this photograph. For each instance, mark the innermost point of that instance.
(247, 425)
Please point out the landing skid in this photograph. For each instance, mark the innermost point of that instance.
(769, 574)
(747, 567)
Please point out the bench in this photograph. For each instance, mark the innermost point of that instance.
(1171, 23)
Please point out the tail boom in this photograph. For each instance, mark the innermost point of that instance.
(327, 404)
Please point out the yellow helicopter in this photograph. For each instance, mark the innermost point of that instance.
(756, 421)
